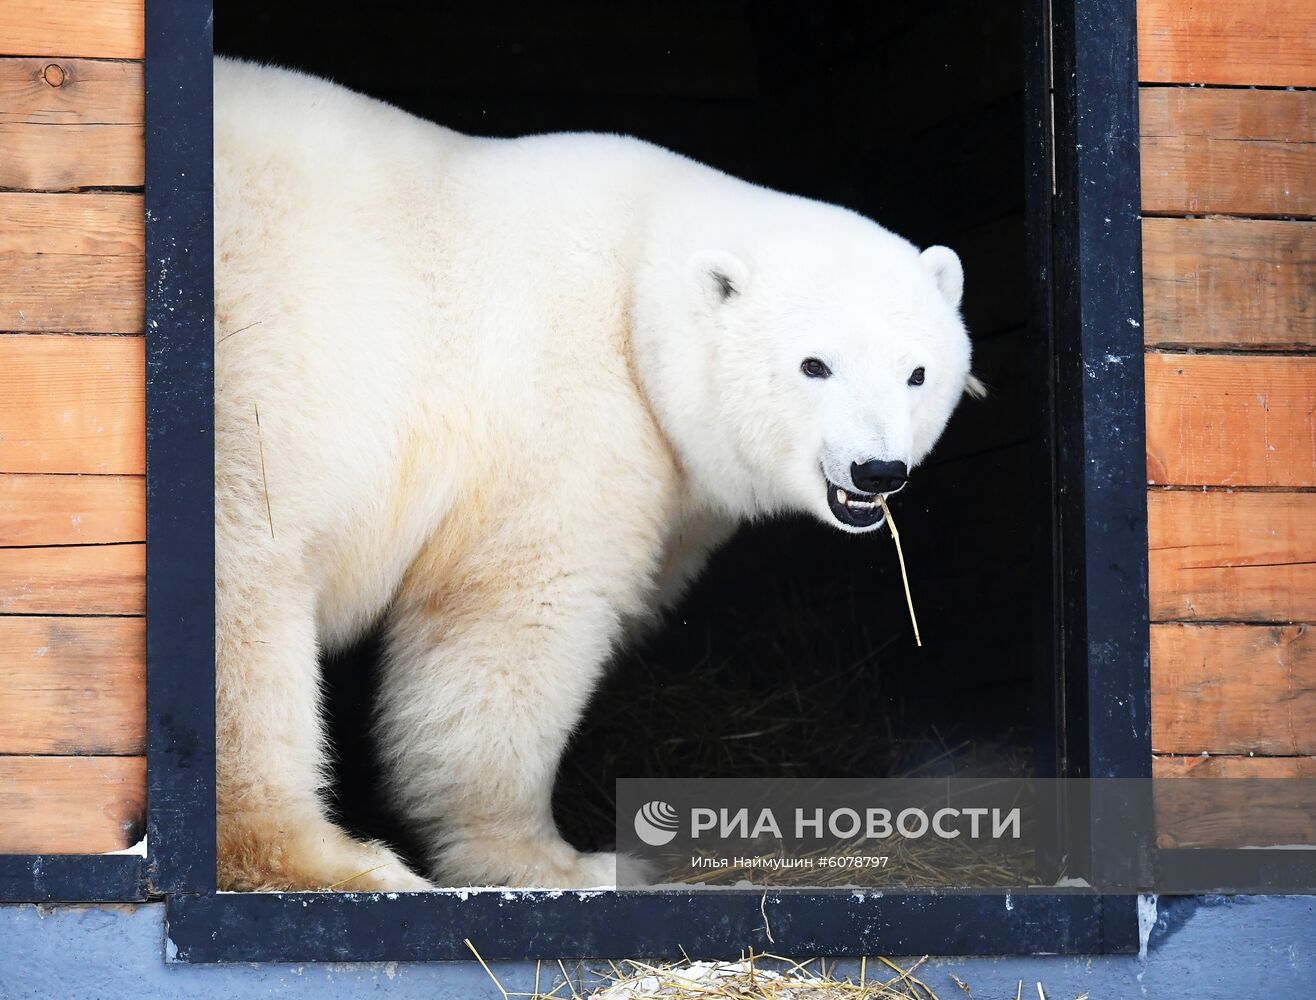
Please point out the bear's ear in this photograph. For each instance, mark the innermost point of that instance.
(974, 387)
(719, 275)
(946, 270)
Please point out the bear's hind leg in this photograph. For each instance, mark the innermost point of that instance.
(273, 830)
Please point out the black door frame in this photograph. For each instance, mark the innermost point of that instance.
(1087, 278)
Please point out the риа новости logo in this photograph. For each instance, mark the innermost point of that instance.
(656, 823)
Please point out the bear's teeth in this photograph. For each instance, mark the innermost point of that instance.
(841, 495)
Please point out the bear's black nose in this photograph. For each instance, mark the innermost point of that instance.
(877, 476)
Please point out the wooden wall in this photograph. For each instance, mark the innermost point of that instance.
(1229, 257)
(1229, 197)
(72, 435)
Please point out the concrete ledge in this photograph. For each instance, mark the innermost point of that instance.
(1213, 948)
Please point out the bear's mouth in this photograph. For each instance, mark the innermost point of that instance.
(852, 508)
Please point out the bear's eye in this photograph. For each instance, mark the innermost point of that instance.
(814, 368)
(916, 377)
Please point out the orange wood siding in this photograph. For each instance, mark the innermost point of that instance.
(71, 510)
(1267, 817)
(72, 263)
(110, 29)
(1231, 420)
(1231, 403)
(71, 805)
(1233, 689)
(72, 404)
(73, 580)
(70, 123)
(73, 686)
(1256, 43)
(72, 432)
(1232, 556)
(1228, 152)
(1240, 284)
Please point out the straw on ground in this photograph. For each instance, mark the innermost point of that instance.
(753, 977)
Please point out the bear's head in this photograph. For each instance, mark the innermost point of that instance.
(809, 367)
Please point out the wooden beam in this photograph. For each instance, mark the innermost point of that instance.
(1220, 556)
(72, 404)
(72, 686)
(71, 510)
(73, 294)
(49, 91)
(71, 805)
(1229, 283)
(96, 224)
(1233, 689)
(1241, 768)
(1260, 806)
(1260, 43)
(1228, 152)
(107, 29)
(73, 580)
(71, 123)
(72, 263)
(70, 158)
(1225, 420)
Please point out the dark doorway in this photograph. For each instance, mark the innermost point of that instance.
(793, 654)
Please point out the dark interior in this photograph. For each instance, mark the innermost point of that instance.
(793, 654)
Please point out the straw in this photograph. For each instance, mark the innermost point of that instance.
(904, 576)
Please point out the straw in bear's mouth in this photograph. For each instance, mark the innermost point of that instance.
(852, 508)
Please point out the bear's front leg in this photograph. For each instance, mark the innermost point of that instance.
(273, 830)
(484, 682)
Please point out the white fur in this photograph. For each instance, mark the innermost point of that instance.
(495, 392)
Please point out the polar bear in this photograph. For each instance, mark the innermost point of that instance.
(504, 396)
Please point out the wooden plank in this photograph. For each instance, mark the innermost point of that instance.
(49, 91)
(1228, 152)
(73, 580)
(96, 224)
(1233, 689)
(1234, 801)
(1238, 768)
(71, 123)
(72, 263)
(108, 29)
(71, 805)
(60, 293)
(1261, 43)
(1231, 283)
(1232, 556)
(71, 510)
(72, 404)
(69, 158)
(72, 686)
(1231, 420)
